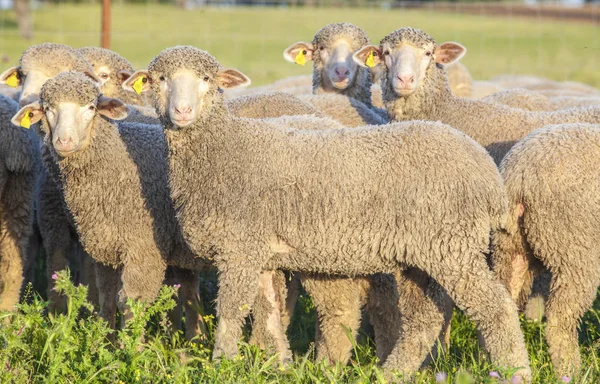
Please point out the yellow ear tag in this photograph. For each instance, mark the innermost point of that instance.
(301, 57)
(26, 120)
(138, 84)
(13, 80)
(370, 62)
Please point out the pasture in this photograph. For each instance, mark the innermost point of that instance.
(75, 347)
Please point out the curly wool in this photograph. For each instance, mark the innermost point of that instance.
(52, 59)
(551, 179)
(246, 188)
(19, 163)
(330, 35)
(494, 126)
(69, 87)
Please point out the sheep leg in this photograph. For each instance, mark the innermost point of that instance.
(141, 280)
(337, 301)
(192, 303)
(424, 311)
(238, 286)
(570, 297)
(107, 281)
(384, 313)
(16, 222)
(534, 309)
(268, 329)
(89, 277)
(293, 293)
(11, 268)
(487, 302)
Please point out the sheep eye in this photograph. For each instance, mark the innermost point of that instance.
(162, 78)
(206, 78)
(321, 48)
(91, 107)
(104, 76)
(428, 53)
(385, 53)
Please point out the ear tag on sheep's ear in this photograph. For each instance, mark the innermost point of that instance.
(13, 80)
(26, 120)
(138, 84)
(301, 57)
(370, 62)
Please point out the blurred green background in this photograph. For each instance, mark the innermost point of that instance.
(252, 38)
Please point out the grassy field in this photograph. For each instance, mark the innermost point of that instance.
(252, 39)
(74, 348)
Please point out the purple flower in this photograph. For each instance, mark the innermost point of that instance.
(54, 276)
(565, 379)
(53, 289)
(495, 374)
(177, 286)
(441, 377)
(516, 380)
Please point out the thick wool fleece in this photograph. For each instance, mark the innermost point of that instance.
(460, 79)
(552, 184)
(101, 57)
(125, 169)
(346, 202)
(53, 59)
(494, 126)
(19, 162)
(267, 105)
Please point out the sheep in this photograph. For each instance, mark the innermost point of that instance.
(37, 64)
(142, 223)
(112, 69)
(18, 168)
(534, 101)
(535, 83)
(551, 179)
(336, 75)
(415, 87)
(460, 79)
(268, 197)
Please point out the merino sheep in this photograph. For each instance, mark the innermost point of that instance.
(18, 169)
(329, 202)
(415, 87)
(112, 69)
(534, 101)
(37, 64)
(551, 179)
(460, 79)
(125, 167)
(535, 83)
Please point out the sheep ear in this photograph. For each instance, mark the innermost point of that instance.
(28, 115)
(94, 78)
(368, 56)
(232, 78)
(448, 53)
(139, 82)
(114, 109)
(11, 77)
(123, 75)
(299, 53)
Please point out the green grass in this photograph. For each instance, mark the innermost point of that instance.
(252, 39)
(78, 347)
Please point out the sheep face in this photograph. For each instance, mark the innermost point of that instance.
(406, 55)
(40, 63)
(186, 83)
(110, 68)
(68, 106)
(331, 49)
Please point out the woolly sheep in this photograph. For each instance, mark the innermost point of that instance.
(426, 94)
(551, 179)
(336, 75)
(268, 214)
(144, 236)
(535, 83)
(534, 101)
(37, 64)
(18, 168)
(460, 79)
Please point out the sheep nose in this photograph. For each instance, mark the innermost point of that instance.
(406, 79)
(183, 109)
(64, 141)
(342, 71)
